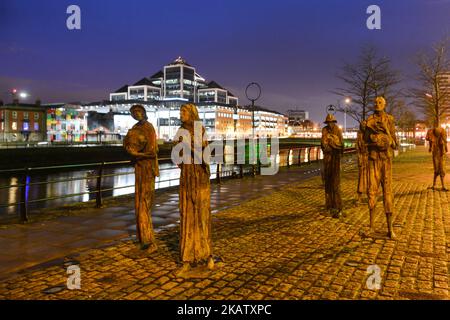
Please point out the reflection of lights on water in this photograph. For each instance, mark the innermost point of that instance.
(12, 194)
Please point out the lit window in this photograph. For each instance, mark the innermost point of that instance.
(13, 125)
(36, 126)
(26, 126)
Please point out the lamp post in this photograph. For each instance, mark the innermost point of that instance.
(253, 92)
(347, 103)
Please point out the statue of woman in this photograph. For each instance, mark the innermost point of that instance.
(195, 193)
(140, 143)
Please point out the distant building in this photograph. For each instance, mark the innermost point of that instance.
(162, 94)
(22, 122)
(66, 122)
(296, 117)
(298, 121)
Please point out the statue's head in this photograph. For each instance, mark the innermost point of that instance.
(189, 113)
(380, 104)
(138, 112)
(330, 120)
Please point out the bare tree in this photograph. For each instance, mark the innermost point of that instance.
(405, 118)
(368, 78)
(432, 95)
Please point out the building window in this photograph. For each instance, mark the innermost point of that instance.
(25, 116)
(14, 125)
(26, 126)
(14, 114)
(36, 126)
(36, 116)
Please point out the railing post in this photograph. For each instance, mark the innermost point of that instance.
(299, 156)
(24, 195)
(309, 155)
(218, 169)
(318, 155)
(98, 197)
(287, 159)
(241, 171)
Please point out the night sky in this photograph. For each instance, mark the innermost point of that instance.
(292, 48)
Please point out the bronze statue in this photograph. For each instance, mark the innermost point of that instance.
(363, 162)
(437, 138)
(140, 143)
(333, 147)
(195, 194)
(381, 141)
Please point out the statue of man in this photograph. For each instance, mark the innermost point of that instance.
(333, 147)
(437, 138)
(363, 162)
(381, 140)
(140, 143)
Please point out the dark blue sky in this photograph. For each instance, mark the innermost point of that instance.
(293, 48)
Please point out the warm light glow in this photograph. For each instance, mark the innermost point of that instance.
(23, 95)
(348, 100)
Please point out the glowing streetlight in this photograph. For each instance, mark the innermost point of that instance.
(347, 101)
(23, 95)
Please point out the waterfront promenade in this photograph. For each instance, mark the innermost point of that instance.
(272, 235)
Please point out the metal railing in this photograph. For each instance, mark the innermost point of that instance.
(287, 157)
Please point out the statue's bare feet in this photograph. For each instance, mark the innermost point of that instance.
(444, 189)
(391, 235)
(152, 248)
(183, 270)
(210, 264)
(149, 247)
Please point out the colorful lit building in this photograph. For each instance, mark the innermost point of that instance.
(22, 122)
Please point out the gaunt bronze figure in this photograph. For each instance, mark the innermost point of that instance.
(195, 194)
(437, 139)
(333, 147)
(381, 140)
(140, 143)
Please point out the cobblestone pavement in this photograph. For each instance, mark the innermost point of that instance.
(57, 232)
(282, 245)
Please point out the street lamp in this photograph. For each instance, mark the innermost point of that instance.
(347, 103)
(253, 92)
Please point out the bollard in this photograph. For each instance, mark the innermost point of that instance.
(24, 196)
(98, 198)
(218, 169)
(288, 158)
(241, 171)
